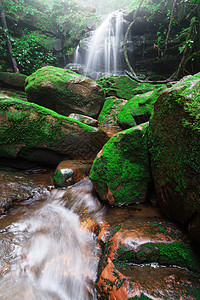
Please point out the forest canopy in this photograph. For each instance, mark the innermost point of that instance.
(46, 32)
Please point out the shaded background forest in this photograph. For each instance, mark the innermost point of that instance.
(47, 32)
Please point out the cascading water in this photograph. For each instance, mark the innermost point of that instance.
(105, 47)
(51, 253)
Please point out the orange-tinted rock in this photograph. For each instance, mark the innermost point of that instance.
(141, 255)
(69, 172)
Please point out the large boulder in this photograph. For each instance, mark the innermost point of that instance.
(30, 131)
(145, 256)
(174, 135)
(64, 91)
(120, 172)
(109, 113)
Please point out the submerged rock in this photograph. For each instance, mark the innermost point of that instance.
(64, 91)
(30, 131)
(120, 172)
(174, 135)
(69, 172)
(109, 113)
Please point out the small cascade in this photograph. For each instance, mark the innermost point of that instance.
(76, 55)
(104, 48)
(52, 252)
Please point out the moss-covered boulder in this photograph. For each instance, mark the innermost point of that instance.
(146, 257)
(174, 135)
(109, 113)
(120, 172)
(123, 87)
(84, 119)
(137, 110)
(12, 80)
(68, 172)
(30, 131)
(64, 91)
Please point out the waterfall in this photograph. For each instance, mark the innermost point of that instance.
(103, 55)
(105, 46)
(52, 252)
(76, 55)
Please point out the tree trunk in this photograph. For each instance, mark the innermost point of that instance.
(5, 28)
(126, 38)
(187, 51)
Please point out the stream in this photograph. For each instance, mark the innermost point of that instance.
(48, 249)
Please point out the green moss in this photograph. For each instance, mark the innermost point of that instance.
(110, 111)
(138, 105)
(31, 125)
(123, 86)
(124, 166)
(49, 85)
(176, 253)
(174, 144)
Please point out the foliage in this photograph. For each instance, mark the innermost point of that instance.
(30, 55)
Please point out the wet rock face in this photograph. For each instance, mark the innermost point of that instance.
(147, 257)
(174, 149)
(64, 91)
(84, 119)
(34, 133)
(69, 172)
(120, 172)
(17, 187)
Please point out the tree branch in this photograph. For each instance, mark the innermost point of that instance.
(5, 27)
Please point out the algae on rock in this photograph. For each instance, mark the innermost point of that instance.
(109, 113)
(27, 129)
(174, 144)
(64, 91)
(120, 172)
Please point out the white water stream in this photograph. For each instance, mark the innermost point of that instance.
(103, 54)
(51, 253)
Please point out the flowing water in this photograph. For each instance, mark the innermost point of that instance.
(51, 252)
(103, 54)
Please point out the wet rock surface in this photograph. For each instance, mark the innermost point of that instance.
(170, 273)
(84, 119)
(70, 172)
(17, 187)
